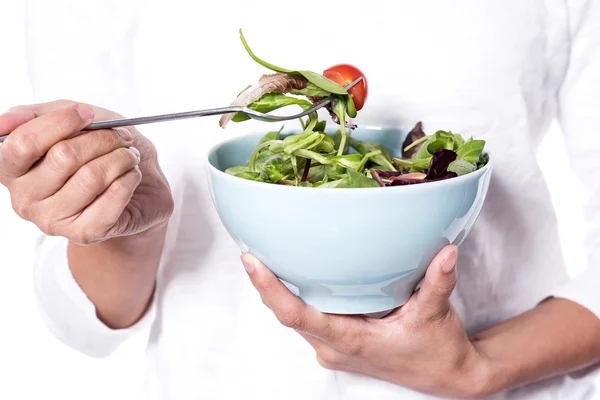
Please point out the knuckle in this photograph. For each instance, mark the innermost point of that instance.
(49, 227)
(93, 176)
(82, 237)
(116, 190)
(24, 145)
(22, 207)
(126, 156)
(62, 157)
(291, 319)
(108, 139)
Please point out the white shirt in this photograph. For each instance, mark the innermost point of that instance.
(493, 69)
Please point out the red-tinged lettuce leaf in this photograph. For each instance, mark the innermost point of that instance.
(400, 181)
(440, 161)
(414, 135)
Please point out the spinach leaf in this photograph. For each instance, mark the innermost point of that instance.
(330, 184)
(439, 140)
(326, 145)
(484, 158)
(271, 102)
(311, 90)
(356, 180)
(350, 107)
(304, 141)
(251, 176)
(337, 139)
(461, 167)
(313, 155)
(313, 118)
(458, 141)
(350, 161)
(320, 126)
(470, 151)
(237, 169)
(317, 79)
(383, 159)
(274, 135)
(257, 150)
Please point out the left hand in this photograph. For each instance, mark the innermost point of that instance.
(421, 345)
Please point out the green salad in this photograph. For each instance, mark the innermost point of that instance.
(314, 158)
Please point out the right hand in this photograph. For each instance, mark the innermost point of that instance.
(88, 188)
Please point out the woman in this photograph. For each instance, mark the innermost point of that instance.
(131, 246)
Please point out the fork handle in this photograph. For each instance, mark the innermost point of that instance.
(117, 123)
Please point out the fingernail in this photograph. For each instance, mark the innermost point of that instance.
(135, 152)
(124, 133)
(449, 262)
(85, 112)
(248, 265)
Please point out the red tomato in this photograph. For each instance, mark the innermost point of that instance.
(344, 74)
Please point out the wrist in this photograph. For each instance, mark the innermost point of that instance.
(142, 243)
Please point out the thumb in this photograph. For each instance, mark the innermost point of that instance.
(439, 282)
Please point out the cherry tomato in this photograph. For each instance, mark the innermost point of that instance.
(344, 74)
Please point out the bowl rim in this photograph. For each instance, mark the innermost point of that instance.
(429, 186)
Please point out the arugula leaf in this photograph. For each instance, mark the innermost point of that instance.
(271, 102)
(317, 79)
(470, 151)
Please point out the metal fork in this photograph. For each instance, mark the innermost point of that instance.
(204, 113)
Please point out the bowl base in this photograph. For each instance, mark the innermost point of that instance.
(370, 306)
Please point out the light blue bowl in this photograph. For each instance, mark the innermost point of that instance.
(346, 251)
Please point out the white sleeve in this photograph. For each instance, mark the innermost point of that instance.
(79, 50)
(579, 116)
(65, 308)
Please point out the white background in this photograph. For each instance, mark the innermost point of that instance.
(33, 364)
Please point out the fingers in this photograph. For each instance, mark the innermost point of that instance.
(439, 282)
(346, 334)
(11, 120)
(92, 180)
(31, 141)
(107, 213)
(67, 157)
